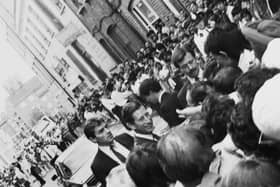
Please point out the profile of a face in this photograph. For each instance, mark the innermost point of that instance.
(103, 135)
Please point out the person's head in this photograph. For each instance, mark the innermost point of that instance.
(245, 16)
(184, 154)
(248, 83)
(253, 173)
(236, 13)
(247, 137)
(97, 132)
(144, 168)
(217, 112)
(137, 118)
(185, 61)
(149, 90)
(225, 78)
(197, 92)
(152, 36)
(219, 5)
(242, 129)
(231, 43)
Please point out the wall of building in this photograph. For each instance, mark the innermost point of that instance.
(106, 24)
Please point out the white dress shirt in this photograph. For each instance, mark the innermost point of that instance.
(117, 147)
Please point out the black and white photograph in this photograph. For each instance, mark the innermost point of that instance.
(139, 93)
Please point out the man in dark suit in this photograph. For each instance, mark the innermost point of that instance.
(138, 119)
(151, 91)
(112, 151)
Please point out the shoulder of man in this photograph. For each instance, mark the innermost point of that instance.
(126, 140)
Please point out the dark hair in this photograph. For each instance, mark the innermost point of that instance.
(231, 42)
(184, 154)
(216, 110)
(91, 124)
(199, 90)
(150, 33)
(236, 10)
(127, 110)
(246, 135)
(248, 84)
(210, 69)
(242, 129)
(148, 86)
(225, 78)
(177, 55)
(253, 173)
(246, 12)
(144, 168)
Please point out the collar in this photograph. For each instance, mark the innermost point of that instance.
(144, 136)
(160, 96)
(107, 146)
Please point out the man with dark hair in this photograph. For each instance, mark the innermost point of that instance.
(184, 59)
(151, 91)
(112, 151)
(138, 119)
(144, 168)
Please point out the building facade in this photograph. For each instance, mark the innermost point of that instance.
(56, 44)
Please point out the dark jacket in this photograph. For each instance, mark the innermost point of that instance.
(102, 164)
(167, 110)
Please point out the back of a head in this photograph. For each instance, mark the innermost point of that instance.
(199, 90)
(253, 173)
(148, 86)
(213, 43)
(242, 129)
(230, 42)
(225, 78)
(217, 111)
(184, 154)
(248, 83)
(144, 168)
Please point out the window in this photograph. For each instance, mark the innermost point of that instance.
(35, 39)
(144, 12)
(41, 21)
(62, 68)
(33, 48)
(59, 5)
(174, 6)
(37, 30)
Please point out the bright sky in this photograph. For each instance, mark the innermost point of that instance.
(11, 65)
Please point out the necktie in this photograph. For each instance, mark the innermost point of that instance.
(118, 155)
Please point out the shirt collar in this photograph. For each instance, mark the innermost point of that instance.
(144, 136)
(160, 96)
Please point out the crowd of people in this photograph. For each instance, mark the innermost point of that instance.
(198, 104)
(212, 79)
(35, 160)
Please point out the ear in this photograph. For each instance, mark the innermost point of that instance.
(131, 126)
